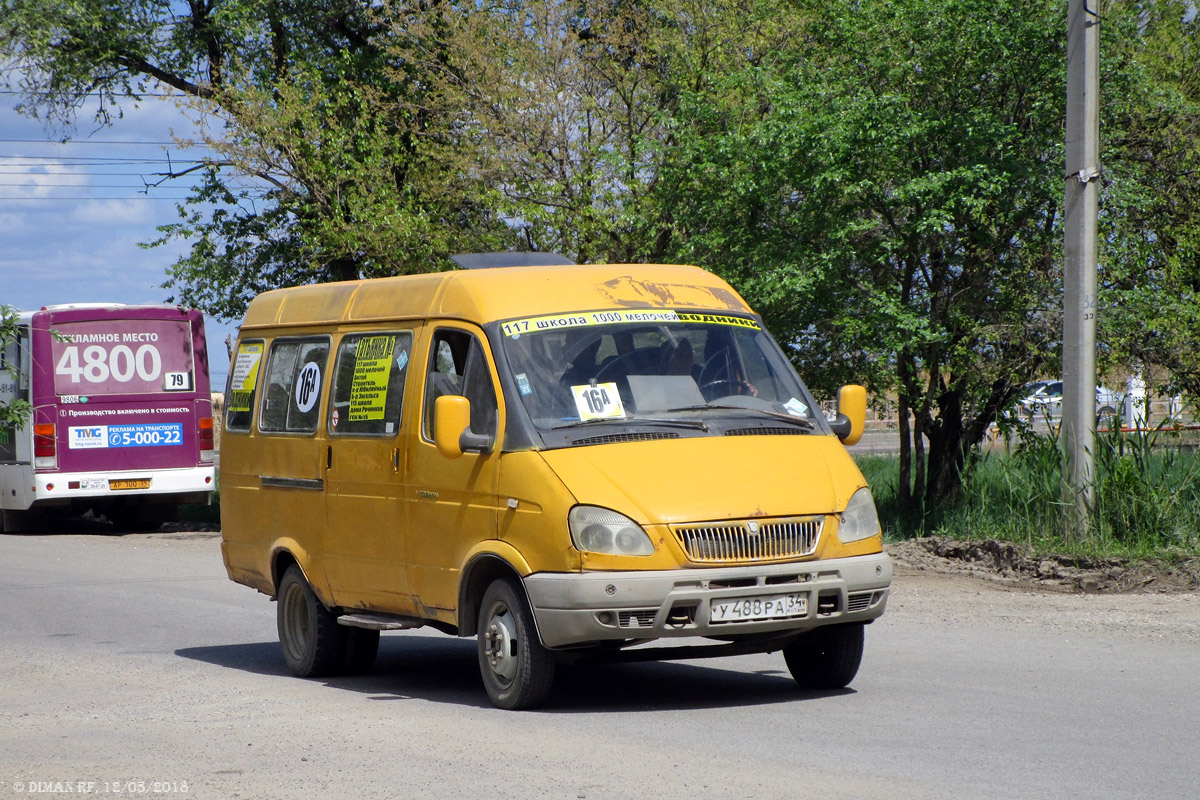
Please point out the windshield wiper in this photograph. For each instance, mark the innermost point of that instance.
(669, 423)
(799, 422)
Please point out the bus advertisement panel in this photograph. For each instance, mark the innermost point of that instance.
(122, 414)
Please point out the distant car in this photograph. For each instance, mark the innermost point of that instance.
(1045, 398)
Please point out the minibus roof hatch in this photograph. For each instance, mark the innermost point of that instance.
(510, 259)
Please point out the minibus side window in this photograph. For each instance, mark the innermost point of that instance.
(243, 381)
(458, 367)
(292, 399)
(368, 384)
(477, 387)
(14, 385)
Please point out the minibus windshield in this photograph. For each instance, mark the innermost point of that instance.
(664, 368)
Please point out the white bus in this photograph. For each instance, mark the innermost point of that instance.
(121, 420)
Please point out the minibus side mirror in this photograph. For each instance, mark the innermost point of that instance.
(852, 414)
(452, 428)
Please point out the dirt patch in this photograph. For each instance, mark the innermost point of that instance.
(1004, 562)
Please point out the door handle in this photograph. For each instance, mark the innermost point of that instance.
(395, 459)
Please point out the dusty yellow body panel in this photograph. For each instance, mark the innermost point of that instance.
(251, 523)
(452, 505)
(712, 478)
(536, 527)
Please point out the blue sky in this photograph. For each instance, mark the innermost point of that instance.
(72, 214)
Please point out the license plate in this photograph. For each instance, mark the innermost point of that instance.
(129, 483)
(749, 609)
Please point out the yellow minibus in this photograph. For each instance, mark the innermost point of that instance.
(564, 461)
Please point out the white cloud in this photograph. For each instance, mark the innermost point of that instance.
(58, 247)
(114, 212)
(23, 179)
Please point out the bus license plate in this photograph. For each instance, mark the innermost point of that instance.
(129, 483)
(749, 609)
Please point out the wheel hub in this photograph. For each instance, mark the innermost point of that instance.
(499, 642)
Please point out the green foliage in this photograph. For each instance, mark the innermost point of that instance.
(16, 411)
(341, 152)
(1148, 487)
(892, 208)
(1150, 220)
(881, 178)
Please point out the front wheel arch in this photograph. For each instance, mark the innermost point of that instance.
(480, 573)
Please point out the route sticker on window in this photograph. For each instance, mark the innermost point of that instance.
(598, 402)
(245, 376)
(369, 384)
(585, 319)
(308, 384)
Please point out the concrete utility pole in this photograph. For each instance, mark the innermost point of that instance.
(1079, 278)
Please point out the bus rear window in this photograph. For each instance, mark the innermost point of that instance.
(126, 356)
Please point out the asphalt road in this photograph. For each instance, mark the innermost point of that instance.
(131, 663)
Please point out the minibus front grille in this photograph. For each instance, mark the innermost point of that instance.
(624, 437)
(750, 540)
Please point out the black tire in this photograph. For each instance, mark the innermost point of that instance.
(362, 645)
(517, 670)
(313, 644)
(826, 658)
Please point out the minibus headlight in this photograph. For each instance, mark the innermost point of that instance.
(599, 530)
(859, 520)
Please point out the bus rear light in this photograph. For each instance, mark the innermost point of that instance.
(45, 450)
(204, 437)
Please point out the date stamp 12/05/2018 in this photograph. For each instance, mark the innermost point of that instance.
(114, 787)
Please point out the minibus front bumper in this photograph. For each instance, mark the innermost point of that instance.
(591, 607)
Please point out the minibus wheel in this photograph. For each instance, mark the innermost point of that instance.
(517, 670)
(826, 658)
(313, 644)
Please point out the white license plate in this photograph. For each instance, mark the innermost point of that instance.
(749, 609)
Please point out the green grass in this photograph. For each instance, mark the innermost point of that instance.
(1147, 498)
(204, 513)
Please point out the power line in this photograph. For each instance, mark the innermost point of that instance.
(83, 160)
(138, 186)
(89, 199)
(75, 174)
(125, 95)
(100, 141)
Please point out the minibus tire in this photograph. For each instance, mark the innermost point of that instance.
(313, 644)
(826, 658)
(522, 672)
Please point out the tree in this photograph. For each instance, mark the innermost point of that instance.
(15, 410)
(575, 103)
(336, 158)
(1150, 225)
(893, 206)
